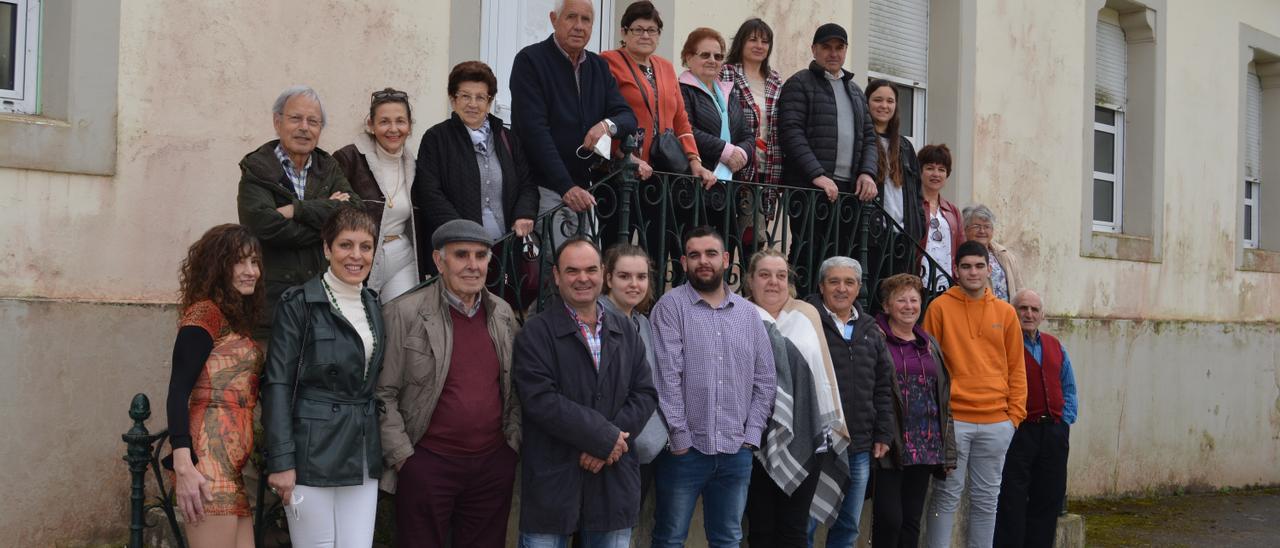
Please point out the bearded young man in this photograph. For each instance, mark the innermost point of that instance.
(716, 384)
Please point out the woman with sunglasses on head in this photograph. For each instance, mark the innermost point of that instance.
(381, 170)
(943, 233)
(725, 142)
(472, 167)
(214, 385)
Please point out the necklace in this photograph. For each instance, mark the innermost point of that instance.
(333, 301)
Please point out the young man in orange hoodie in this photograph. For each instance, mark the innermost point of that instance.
(982, 341)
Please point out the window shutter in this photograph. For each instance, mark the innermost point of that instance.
(1111, 69)
(899, 41)
(1253, 127)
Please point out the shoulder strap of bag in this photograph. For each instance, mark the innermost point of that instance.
(627, 59)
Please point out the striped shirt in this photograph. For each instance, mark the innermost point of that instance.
(715, 375)
(298, 178)
(593, 338)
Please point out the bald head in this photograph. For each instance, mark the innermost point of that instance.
(1030, 310)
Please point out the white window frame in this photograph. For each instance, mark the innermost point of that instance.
(22, 98)
(500, 21)
(1251, 201)
(917, 106)
(1116, 179)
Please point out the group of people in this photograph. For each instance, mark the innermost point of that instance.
(788, 411)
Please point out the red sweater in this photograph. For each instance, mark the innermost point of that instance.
(670, 105)
(468, 417)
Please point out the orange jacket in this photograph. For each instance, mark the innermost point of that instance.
(670, 104)
(982, 343)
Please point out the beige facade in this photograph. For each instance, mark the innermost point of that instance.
(1172, 325)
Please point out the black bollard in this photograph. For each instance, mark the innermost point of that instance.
(138, 441)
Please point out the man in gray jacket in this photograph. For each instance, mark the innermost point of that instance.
(452, 423)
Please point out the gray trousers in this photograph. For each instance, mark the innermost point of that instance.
(564, 224)
(980, 450)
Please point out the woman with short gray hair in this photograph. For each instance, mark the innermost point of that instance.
(980, 226)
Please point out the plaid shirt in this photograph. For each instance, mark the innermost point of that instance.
(715, 377)
(299, 178)
(593, 339)
(771, 172)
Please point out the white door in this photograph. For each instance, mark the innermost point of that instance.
(510, 25)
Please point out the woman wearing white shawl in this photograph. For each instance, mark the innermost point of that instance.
(794, 476)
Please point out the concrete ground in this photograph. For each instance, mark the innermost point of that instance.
(1226, 518)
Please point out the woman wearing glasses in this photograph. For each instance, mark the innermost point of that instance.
(381, 170)
(472, 167)
(944, 233)
(714, 110)
(980, 226)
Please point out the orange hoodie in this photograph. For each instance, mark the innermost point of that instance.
(982, 344)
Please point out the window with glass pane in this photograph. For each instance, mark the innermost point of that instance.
(906, 110)
(1251, 220)
(8, 45)
(1108, 141)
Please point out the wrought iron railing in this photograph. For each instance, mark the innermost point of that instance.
(656, 212)
(143, 454)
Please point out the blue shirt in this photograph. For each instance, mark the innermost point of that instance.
(1067, 377)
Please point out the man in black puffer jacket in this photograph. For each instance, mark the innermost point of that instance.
(864, 375)
(829, 142)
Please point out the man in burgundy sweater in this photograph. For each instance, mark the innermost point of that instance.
(1035, 468)
(452, 424)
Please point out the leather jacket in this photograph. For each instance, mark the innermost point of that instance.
(326, 428)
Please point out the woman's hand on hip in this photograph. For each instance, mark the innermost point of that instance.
(191, 488)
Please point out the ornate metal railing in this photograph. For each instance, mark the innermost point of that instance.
(655, 213)
(143, 454)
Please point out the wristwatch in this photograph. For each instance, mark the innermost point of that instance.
(610, 126)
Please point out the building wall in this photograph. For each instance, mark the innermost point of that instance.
(1176, 360)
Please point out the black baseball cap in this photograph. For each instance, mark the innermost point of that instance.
(829, 31)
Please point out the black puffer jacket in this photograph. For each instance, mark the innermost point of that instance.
(704, 116)
(808, 133)
(864, 375)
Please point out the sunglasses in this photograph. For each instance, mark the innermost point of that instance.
(704, 55)
(936, 235)
(392, 94)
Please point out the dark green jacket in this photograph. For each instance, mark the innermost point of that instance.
(291, 249)
(322, 428)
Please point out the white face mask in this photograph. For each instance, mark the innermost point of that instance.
(602, 148)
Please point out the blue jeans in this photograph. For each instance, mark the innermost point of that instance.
(620, 538)
(720, 479)
(844, 532)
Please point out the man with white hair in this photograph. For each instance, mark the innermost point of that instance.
(563, 101)
(288, 189)
(864, 376)
(1035, 468)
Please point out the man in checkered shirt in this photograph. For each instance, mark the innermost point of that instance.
(716, 384)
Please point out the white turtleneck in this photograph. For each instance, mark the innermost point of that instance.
(351, 306)
(388, 170)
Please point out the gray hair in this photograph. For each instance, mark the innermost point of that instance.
(839, 261)
(559, 8)
(977, 211)
(1024, 292)
(294, 91)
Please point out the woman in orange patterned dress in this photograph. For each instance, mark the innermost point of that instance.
(214, 385)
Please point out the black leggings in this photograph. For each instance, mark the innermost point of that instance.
(773, 518)
(897, 506)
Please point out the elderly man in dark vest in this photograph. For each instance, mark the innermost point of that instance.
(1035, 468)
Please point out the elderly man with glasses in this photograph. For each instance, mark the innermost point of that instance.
(288, 189)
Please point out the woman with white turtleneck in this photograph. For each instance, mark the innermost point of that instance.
(323, 450)
(381, 170)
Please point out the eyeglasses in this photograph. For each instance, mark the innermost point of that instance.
(466, 98)
(389, 94)
(936, 235)
(704, 55)
(645, 31)
(298, 119)
(981, 227)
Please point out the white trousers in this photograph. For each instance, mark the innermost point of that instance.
(333, 517)
(395, 269)
(980, 450)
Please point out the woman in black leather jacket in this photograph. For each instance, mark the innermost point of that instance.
(323, 452)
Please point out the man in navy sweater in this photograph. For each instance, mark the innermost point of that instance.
(563, 100)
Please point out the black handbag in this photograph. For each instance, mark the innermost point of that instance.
(665, 152)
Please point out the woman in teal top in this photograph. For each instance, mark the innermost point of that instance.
(715, 112)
